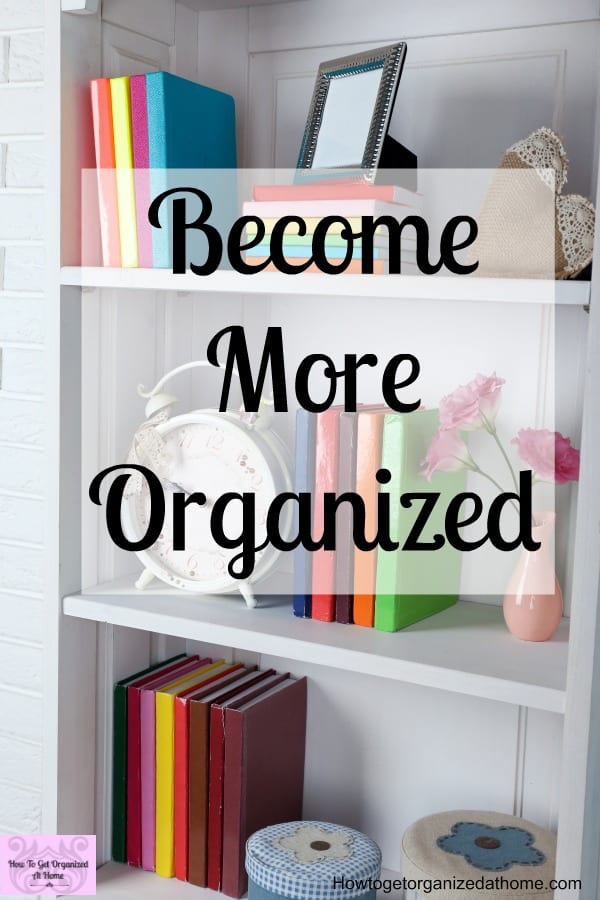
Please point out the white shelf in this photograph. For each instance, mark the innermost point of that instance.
(116, 881)
(230, 4)
(409, 287)
(465, 649)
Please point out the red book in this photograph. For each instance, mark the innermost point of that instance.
(134, 747)
(199, 749)
(105, 166)
(216, 774)
(270, 727)
(181, 730)
(335, 190)
(326, 479)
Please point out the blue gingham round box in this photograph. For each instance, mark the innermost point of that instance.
(311, 861)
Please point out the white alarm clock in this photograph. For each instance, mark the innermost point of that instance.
(213, 453)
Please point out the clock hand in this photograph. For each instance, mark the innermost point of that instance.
(174, 486)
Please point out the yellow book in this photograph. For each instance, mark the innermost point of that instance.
(121, 115)
(165, 764)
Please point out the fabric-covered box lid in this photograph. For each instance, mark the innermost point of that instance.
(302, 860)
(503, 854)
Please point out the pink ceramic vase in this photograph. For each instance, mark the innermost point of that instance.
(532, 613)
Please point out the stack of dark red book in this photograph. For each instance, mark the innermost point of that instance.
(205, 754)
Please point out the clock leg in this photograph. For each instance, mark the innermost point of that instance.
(248, 595)
(144, 580)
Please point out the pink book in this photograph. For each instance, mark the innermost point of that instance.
(148, 759)
(326, 478)
(320, 208)
(141, 162)
(338, 189)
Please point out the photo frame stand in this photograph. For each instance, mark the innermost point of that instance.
(401, 161)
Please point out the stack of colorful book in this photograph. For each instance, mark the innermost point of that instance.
(145, 125)
(190, 784)
(339, 452)
(316, 200)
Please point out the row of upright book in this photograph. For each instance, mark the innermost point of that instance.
(316, 200)
(339, 452)
(190, 783)
(144, 127)
(149, 127)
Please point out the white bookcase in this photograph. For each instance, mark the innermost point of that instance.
(452, 712)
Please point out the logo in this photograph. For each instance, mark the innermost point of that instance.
(48, 864)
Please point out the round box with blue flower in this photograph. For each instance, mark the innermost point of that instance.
(454, 848)
(311, 861)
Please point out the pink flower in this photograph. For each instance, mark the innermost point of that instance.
(548, 454)
(447, 453)
(473, 405)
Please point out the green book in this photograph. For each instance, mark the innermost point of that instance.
(119, 806)
(401, 574)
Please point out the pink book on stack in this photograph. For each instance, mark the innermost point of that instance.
(148, 758)
(141, 162)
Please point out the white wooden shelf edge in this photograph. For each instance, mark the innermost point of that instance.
(202, 5)
(408, 287)
(465, 649)
(116, 881)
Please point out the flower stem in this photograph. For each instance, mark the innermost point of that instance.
(495, 483)
(491, 428)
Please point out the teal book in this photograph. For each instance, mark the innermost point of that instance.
(190, 126)
(401, 574)
(119, 806)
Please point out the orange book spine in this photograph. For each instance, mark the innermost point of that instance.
(379, 265)
(105, 166)
(368, 461)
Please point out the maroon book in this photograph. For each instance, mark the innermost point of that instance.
(344, 541)
(217, 770)
(264, 771)
(198, 772)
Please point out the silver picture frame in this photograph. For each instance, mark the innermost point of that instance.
(388, 60)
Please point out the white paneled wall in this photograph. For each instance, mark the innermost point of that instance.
(22, 412)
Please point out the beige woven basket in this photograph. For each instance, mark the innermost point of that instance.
(527, 227)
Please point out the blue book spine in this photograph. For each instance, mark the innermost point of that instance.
(190, 127)
(157, 155)
(304, 482)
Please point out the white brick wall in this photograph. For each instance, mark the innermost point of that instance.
(26, 57)
(24, 164)
(23, 268)
(22, 413)
(23, 369)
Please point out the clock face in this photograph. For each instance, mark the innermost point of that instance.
(213, 455)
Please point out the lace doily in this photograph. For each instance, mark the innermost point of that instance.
(148, 449)
(575, 217)
(543, 150)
